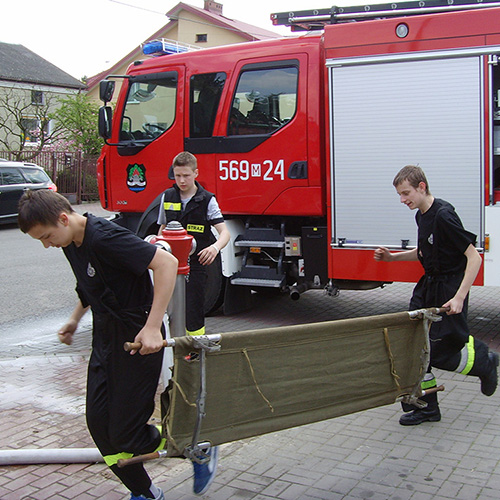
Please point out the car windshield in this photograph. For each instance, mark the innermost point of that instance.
(35, 175)
(150, 107)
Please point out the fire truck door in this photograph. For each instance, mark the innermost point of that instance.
(262, 155)
(150, 134)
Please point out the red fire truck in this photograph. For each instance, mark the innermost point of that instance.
(300, 138)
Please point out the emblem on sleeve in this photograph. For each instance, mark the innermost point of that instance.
(90, 270)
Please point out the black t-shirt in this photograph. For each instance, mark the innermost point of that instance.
(442, 239)
(113, 258)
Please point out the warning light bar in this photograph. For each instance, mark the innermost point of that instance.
(164, 46)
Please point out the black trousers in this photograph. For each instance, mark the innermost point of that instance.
(120, 396)
(195, 298)
(450, 335)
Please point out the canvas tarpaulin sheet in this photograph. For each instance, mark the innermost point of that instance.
(266, 380)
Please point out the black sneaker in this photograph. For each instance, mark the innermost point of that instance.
(421, 415)
(489, 382)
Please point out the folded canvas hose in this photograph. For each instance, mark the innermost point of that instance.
(237, 385)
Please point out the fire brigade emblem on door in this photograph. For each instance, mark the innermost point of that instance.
(136, 177)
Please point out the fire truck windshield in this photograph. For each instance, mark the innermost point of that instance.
(150, 107)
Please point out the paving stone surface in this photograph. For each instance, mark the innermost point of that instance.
(367, 455)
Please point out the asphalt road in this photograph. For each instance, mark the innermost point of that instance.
(37, 291)
(36, 282)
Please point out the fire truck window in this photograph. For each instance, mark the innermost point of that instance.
(265, 100)
(150, 108)
(205, 92)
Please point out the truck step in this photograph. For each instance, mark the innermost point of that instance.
(258, 276)
(259, 243)
(260, 237)
(257, 282)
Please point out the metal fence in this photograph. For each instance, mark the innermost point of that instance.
(74, 175)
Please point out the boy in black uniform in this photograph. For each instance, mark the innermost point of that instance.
(111, 268)
(451, 263)
(197, 210)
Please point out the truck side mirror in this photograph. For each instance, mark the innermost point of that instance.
(105, 119)
(106, 89)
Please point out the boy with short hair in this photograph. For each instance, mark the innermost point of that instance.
(111, 268)
(451, 263)
(197, 210)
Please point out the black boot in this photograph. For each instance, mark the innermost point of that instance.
(430, 413)
(485, 367)
(489, 380)
(420, 415)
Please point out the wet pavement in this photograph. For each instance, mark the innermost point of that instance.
(367, 455)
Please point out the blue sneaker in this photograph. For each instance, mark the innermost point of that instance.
(204, 474)
(160, 496)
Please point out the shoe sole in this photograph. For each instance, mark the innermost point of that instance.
(430, 419)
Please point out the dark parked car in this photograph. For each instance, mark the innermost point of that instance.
(15, 179)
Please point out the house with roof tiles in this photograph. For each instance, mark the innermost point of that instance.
(194, 27)
(30, 87)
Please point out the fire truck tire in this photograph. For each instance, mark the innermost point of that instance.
(216, 284)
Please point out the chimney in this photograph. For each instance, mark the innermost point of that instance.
(213, 7)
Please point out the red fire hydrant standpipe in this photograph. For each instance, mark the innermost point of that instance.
(175, 239)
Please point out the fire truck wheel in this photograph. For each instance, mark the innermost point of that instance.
(216, 283)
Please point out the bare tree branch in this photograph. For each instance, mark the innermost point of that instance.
(21, 120)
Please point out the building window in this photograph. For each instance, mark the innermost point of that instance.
(31, 129)
(201, 38)
(37, 97)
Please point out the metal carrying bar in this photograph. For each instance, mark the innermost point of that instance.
(212, 338)
(197, 452)
(307, 20)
